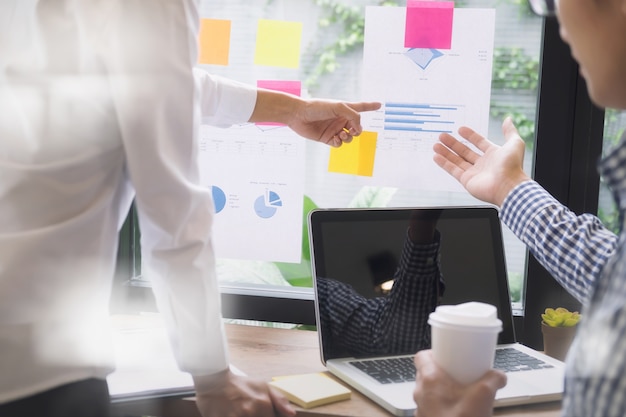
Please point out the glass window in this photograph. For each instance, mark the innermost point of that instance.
(331, 66)
(614, 122)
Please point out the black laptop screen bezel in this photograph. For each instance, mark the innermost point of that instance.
(319, 219)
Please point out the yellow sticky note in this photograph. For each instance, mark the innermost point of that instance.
(278, 43)
(356, 157)
(214, 41)
(311, 390)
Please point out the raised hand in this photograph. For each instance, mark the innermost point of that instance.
(330, 122)
(492, 172)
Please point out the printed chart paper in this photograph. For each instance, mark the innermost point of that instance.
(256, 177)
(424, 91)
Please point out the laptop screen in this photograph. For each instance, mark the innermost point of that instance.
(373, 294)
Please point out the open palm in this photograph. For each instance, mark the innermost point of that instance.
(488, 171)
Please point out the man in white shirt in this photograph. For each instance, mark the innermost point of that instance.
(98, 105)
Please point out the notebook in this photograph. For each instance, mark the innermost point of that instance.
(355, 253)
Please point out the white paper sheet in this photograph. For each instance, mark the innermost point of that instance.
(425, 92)
(256, 174)
(144, 361)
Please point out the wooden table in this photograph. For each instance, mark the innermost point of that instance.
(266, 352)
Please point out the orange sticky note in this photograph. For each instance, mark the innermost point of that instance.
(356, 157)
(214, 41)
(278, 43)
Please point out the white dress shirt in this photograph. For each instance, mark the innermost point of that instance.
(97, 106)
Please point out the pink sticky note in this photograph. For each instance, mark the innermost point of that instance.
(428, 24)
(291, 87)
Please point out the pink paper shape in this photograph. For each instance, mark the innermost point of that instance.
(428, 24)
(290, 87)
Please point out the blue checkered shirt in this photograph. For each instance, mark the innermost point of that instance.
(393, 324)
(590, 262)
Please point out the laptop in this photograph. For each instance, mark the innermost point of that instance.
(355, 254)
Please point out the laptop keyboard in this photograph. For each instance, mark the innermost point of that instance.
(390, 370)
(402, 369)
(512, 360)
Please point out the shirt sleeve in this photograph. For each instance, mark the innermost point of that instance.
(224, 102)
(573, 248)
(151, 54)
(396, 323)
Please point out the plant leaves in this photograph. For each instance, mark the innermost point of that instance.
(560, 317)
(300, 274)
(370, 196)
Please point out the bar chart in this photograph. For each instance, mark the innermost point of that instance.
(422, 117)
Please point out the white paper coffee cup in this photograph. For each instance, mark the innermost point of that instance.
(464, 339)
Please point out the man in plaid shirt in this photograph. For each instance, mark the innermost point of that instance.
(581, 254)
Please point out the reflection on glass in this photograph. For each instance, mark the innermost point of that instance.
(614, 122)
(391, 321)
(432, 255)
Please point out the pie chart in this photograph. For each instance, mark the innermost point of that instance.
(219, 198)
(265, 206)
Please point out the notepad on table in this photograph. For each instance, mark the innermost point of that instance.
(311, 390)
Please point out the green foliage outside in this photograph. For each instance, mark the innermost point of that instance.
(516, 284)
(608, 213)
(515, 72)
(351, 21)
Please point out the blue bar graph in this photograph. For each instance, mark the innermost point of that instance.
(420, 117)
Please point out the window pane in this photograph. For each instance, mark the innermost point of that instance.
(614, 122)
(331, 66)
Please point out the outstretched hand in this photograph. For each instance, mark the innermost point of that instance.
(437, 394)
(330, 122)
(490, 174)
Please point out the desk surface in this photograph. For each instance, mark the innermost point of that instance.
(265, 352)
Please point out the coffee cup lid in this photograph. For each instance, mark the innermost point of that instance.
(474, 314)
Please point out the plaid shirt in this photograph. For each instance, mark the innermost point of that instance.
(590, 262)
(393, 324)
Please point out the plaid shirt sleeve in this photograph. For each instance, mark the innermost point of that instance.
(573, 248)
(393, 324)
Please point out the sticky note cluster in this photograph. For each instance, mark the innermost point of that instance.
(277, 42)
(311, 390)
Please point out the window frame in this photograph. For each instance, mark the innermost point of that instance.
(568, 144)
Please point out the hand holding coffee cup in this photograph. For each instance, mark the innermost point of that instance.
(464, 339)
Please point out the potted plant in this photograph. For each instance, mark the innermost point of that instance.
(559, 328)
